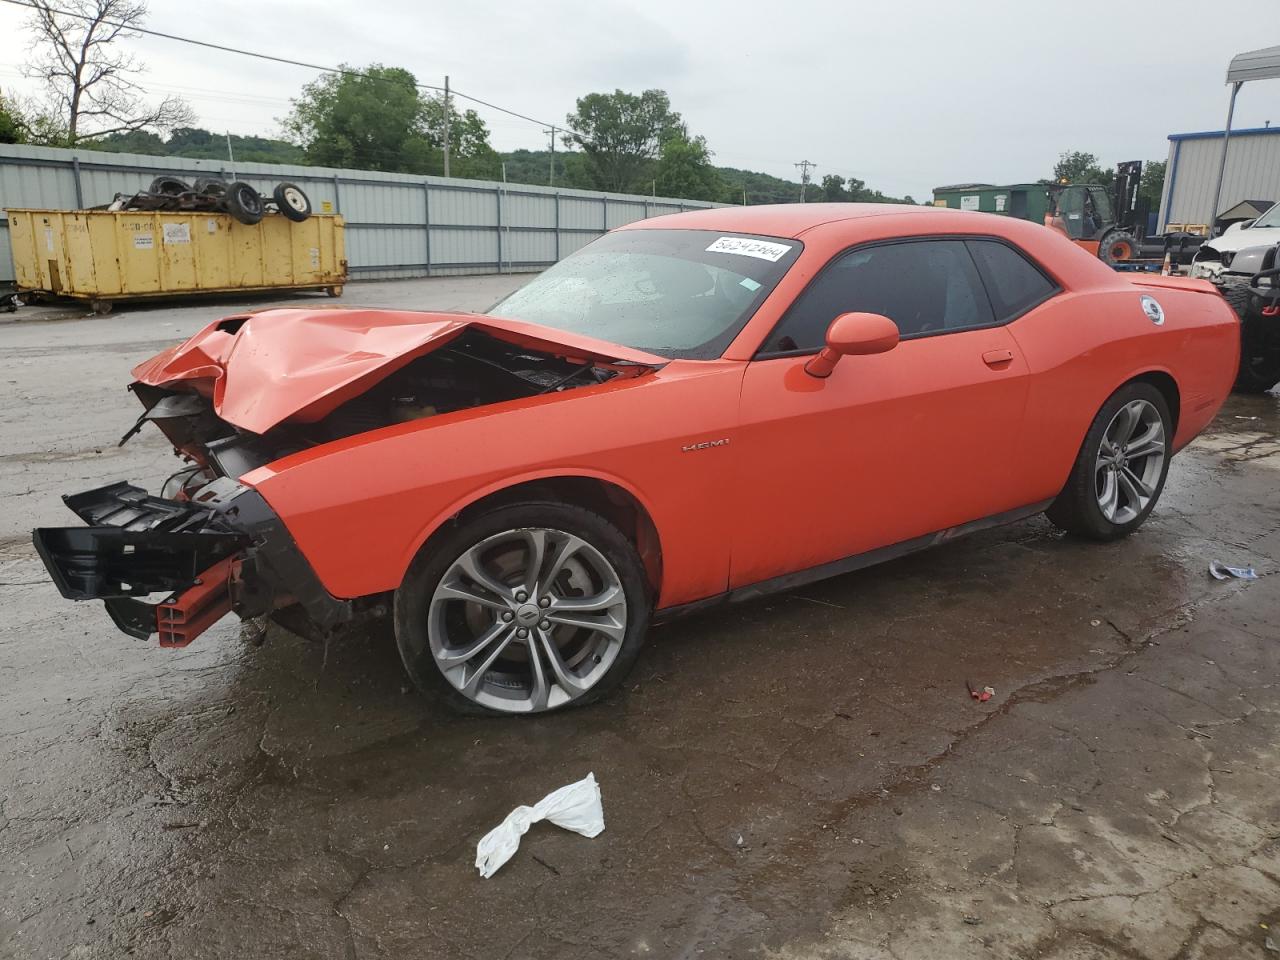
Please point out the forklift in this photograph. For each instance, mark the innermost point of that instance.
(1111, 227)
(1108, 221)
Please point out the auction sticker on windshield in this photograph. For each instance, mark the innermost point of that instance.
(744, 247)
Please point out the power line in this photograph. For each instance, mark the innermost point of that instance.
(341, 71)
(804, 166)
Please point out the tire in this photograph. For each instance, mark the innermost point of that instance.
(1080, 507)
(244, 203)
(292, 202)
(579, 664)
(210, 186)
(1118, 246)
(1259, 343)
(169, 186)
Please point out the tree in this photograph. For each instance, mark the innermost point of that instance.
(470, 153)
(1075, 166)
(685, 170)
(833, 188)
(88, 79)
(373, 120)
(13, 125)
(1152, 186)
(377, 119)
(621, 134)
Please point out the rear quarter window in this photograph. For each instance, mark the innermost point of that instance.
(1014, 284)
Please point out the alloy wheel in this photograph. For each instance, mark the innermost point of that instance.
(527, 620)
(1130, 460)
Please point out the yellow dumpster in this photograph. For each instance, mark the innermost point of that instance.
(104, 256)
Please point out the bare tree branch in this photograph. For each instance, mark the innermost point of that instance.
(89, 79)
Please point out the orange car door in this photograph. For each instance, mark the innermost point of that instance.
(890, 447)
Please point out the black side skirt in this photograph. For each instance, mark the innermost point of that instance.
(789, 581)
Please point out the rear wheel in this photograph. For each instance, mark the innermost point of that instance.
(1120, 470)
(530, 608)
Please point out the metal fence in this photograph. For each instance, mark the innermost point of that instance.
(398, 225)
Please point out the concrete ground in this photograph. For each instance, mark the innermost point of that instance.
(803, 777)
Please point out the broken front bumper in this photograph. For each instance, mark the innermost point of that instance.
(222, 551)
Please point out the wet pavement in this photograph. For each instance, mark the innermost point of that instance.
(800, 777)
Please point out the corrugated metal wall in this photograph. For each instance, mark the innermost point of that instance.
(1253, 173)
(397, 225)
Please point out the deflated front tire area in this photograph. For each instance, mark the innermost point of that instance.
(459, 613)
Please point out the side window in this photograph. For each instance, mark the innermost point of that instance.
(1014, 283)
(925, 287)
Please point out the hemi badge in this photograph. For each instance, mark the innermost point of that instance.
(704, 445)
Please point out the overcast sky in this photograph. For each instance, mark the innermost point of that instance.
(905, 95)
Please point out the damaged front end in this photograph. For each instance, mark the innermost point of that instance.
(248, 391)
(221, 552)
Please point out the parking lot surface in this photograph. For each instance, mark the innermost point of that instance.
(799, 777)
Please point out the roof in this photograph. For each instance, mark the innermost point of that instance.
(1217, 134)
(1255, 65)
(1246, 208)
(989, 186)
(778, 219)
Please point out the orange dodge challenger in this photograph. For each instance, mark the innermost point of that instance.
(691, 410)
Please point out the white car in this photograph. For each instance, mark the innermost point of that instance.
(1214, 256)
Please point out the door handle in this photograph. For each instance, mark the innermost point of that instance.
(994, 358)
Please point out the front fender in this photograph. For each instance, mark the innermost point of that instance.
(361, 508)
(498, 486)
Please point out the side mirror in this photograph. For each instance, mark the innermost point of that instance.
(853, 334)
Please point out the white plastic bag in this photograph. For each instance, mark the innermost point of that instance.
(575, 807)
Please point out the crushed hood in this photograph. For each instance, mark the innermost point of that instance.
(1239, 239)
(262, 369)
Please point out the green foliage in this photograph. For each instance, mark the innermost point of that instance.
(379, 120)
(374, 122)
(13, 125)
(198, 144)
(1152, 186)
(1076, 166)
(684, 169)
(621, 134)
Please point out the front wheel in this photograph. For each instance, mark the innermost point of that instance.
(1117, 246)
(1120, 470)
(531, 608)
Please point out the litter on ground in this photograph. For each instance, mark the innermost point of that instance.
(1220, 571)
(575, 807)
(983, 695)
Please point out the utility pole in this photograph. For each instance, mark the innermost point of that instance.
(804, 166)
(231, 158)
(447, 113)
(552, 133)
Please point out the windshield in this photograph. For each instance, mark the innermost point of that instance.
(1269, 219)
(676, 293)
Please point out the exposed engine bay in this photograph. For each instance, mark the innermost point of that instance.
(473, 370)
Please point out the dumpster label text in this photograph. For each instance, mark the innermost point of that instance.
(177, 233)
(143, 241)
